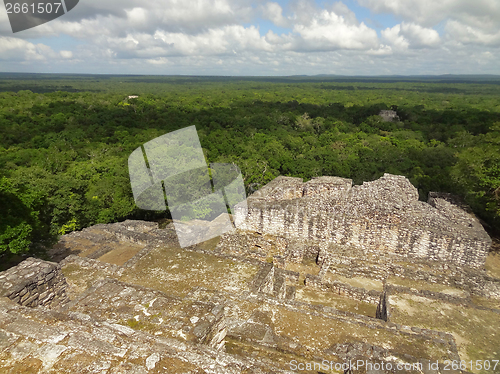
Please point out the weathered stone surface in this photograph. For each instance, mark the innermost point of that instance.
(356, 293)
(383, 216)
(34, 282)
(263, 281)
(154, 312)
(303, 282)
(126, 239)
(45, 343)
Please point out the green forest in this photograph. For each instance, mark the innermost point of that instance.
(65, 139)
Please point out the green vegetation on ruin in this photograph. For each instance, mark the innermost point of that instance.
(327, 298)
(65, 140)
(475, 330)
(176, 271)
(422, 285)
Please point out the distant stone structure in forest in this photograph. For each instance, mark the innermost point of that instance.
(389, 115)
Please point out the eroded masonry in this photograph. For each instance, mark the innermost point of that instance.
(383, 217)
(317, 275)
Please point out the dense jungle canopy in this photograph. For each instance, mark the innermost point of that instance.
(65, 140)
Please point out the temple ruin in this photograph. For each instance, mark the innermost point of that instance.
(317, 276)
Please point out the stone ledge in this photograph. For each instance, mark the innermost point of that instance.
(70, 343)
(153, 311)
(34, 283)
(355, 293)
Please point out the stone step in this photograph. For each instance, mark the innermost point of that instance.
(37, 340)
(145, 309)
(315, 333)
(290, 293)
(97, 241)
(263, 281)
(279, 284)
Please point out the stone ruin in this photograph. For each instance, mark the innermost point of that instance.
(389, 115)
(381, 219)
(318, 275)
(34, 283)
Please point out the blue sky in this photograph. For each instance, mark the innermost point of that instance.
(243, 37)
(363, 14)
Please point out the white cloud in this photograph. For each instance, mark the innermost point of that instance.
(430, 12)
(13, 48)
(223, 37)
(274, 13)
(112, 17)
(66, 54)
(420, 37)
(465, 21)
(462, 33)
(18, 50)
(158, 61)
(343, 10)
(382, 50)
(214, 41)
(329, 31)
(137, 17)
(195, 15)
(410, 35)
(205, 28)
(393, 37)
(315, 29)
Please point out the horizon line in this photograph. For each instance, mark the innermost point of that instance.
(261, 76)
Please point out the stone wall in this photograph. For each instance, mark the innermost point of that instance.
(379, 217)
(384, 306)
(34, 283)
(273, 281)
(252, 245)
(470, 280)
(257, 328)
(491, 288)
(343, 289)
(349, 262)
(263, 280)
(201, 322)
(36, 340)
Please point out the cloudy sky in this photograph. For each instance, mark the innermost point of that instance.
(240, 37)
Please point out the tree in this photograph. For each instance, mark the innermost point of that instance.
(477, 172)
(19, 221)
